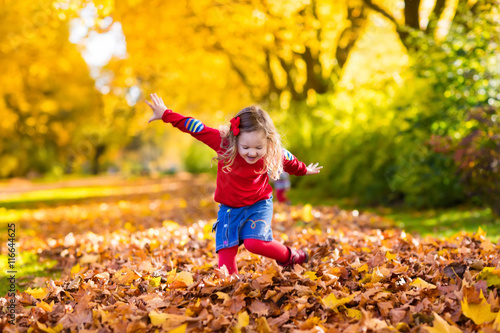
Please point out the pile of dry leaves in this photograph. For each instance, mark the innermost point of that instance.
(135, 265)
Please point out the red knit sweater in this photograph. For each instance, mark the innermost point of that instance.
(243, 186)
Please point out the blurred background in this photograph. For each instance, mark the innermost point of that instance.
(397, 99)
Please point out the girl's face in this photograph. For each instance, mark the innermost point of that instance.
(252, 146)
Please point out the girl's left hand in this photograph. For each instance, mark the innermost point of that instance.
(313, 169)
(157, 106)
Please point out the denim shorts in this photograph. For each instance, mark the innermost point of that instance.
(236, 224)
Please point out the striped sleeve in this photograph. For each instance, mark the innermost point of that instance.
(210, 136)
(292, 165)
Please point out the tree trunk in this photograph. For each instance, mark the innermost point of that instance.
(99, 151)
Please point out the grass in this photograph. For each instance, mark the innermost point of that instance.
(55, 196)
(446, 222)
(28, 266)
(435, 222)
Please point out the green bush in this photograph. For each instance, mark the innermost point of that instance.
(197, 159)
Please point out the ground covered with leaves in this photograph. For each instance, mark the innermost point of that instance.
(145, 262)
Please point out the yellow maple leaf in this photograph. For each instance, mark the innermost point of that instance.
(390, 256)
(243, 321)
(180, 329)
(333, 302)
(45, 306)
(223, 296)
(155, 281)
(353, 313)
(311, 275)
(363, 268)
(157, 318)
(481, 234)
(45, 328)
(419, 283)
(439, 325)
(38, 293)
(75, 269)
(479, 313)
(262, 325)
(496, 324)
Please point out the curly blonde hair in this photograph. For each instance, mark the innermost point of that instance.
(253, 118)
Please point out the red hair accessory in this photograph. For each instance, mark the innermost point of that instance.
(235, 125)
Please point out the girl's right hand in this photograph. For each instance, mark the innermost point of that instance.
(313, 169)
(157, 106)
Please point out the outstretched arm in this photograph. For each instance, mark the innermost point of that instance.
(295, 167)
(157, 106)
(313, 169)
(194, 127)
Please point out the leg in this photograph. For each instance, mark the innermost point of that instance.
(280, 195)
(228, 257)
(274, 249)
(284, 255)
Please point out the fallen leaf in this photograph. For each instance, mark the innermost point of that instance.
(419, 283)
(455, 269)
(390, 256)
(180, 329)
(155, 281)
(279, 321)
(125, 276)
(354, 313)
(496, 324)
(311, 275)
(45, 328)
(104, 276)
(479, 313)
(333, 302)
(242, 321)
(439, 325)
(38, 293)
(262, 325)
(222, 295)
(491, 275)
(157, 318)
(181, 280)
(45, 306)
(75, 269)
(259, 308)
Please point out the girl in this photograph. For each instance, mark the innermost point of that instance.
(248, 152)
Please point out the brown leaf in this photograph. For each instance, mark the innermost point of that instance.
(279, 321)
(218, 323)
(384, 308)
(455, 270)
(259, 308)
(236, 304)
(397, 315)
